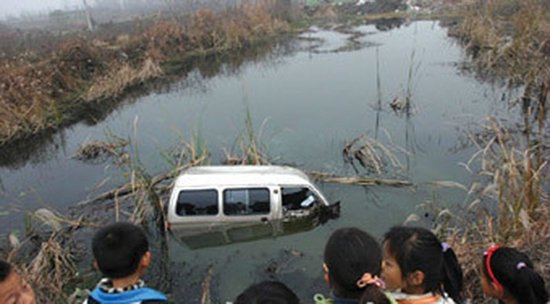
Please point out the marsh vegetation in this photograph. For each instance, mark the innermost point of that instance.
(390, 138)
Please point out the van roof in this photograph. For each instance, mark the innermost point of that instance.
(240, 175)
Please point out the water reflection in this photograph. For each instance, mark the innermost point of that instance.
(387, 24)
(224, 234)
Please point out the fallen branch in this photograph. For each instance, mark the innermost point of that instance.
(357, 180)
(127, 188)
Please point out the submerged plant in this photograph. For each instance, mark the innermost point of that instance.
(371, 155)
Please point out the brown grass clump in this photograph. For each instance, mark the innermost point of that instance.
(121, 78)
(508, 38)
(371, 155)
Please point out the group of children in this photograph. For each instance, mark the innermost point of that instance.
(411, 266)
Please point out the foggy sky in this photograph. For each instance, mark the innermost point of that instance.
(16, 7)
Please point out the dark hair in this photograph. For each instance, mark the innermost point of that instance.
(268, 292)
(118, 249)
(5, 270)
(418, 249)
(349, 254)
(514, 271)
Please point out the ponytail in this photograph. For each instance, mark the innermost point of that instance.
(452, 274)
(514, 271)
(373, 294)
(529, 287)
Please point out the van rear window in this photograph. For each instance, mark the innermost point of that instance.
(246, 201)
(197, 202)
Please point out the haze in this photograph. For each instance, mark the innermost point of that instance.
(14, 8)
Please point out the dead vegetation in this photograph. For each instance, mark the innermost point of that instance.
(508, 38)
(371, 154)
(100, 151)
(46, 90)
(47, 255)
(507, 203)
(509, 200)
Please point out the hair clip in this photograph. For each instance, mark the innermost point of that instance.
(445, 246)
(368, 279)
(520, 265)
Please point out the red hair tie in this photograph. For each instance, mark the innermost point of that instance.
(489, 253)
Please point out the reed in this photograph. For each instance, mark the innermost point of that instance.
(248, 148)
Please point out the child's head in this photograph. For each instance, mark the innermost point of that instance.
(13, 289)
(267, 292)
(508, 273)
(351, 256)
(121, 250)
(416, 262)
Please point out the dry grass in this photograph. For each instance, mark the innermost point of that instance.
(509, 202)
(47, 256)
(509, 199)
(99, 151)
(46, 90)
(509, 38)
(371, 155)
(122, 78)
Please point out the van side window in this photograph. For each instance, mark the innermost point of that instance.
(197, 202)
(295, 198)
(246, 201)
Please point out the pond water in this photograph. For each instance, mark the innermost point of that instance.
(308, 101)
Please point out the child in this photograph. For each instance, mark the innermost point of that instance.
(13, 289)
(418, 268)
(121, 253)
(508, 275)
(268, 292)
(352, 263)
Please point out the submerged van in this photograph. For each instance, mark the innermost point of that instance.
(210, 196)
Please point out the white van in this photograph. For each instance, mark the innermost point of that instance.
(214, 195)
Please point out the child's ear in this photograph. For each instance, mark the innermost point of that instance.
(497, 292)
(326, 274)
(416, 278)
(146, 259)
(94, 263)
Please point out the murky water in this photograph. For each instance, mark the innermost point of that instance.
(311, 101)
